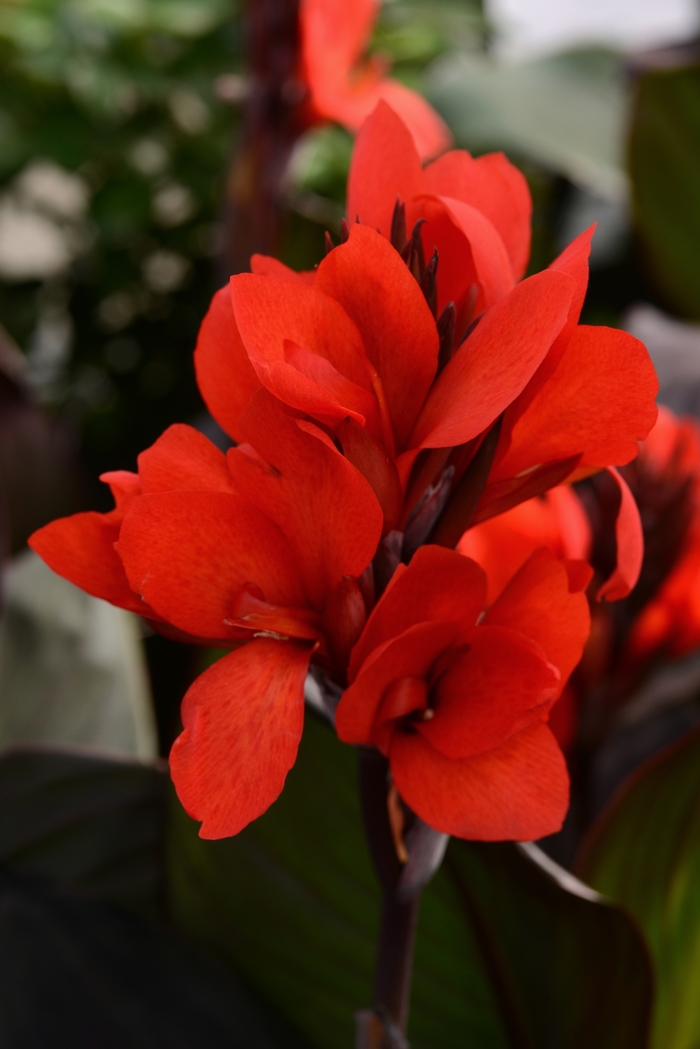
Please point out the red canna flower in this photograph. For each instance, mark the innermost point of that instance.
(342, 88)
(527, 400)
(459, 701)
(665, 479)
(262, 547)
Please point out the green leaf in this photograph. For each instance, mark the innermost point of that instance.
(644, 853)
(567, 112)
(665, 170)
(506, 958)
(80, 840)
(76, 973)
(91, 824)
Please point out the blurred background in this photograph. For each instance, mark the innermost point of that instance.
(121, 128)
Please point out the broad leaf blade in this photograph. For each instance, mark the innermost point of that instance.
(665, 169)
(76, 973)
(91, 824)
(293, 904)
(644, 853)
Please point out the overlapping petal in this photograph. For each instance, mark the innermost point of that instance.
(519, 791)
(242, 720)
(333, 38)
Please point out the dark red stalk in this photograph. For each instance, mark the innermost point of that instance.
(384, 1026)
(254, 209)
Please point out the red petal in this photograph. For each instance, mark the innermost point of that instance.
(373, 285)
(539, 604)
(183, 458)
(385, 167)
(491, 262)
(190, 553)
(599, 401)
(496, 188)
(496, 688)
(630, 545)
(409, 655)
(266, 266)
(124, 486)
(516, 792)
(495, 363)
(353, 105)
(333, 36)
(325, 508)
(438, 585)
(274, 316)
(81, 549)
(243, 720)
(225, 376)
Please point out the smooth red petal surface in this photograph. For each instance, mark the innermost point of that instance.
(503, 544)
(274, 316)
(385, 166)
(438, 585)
(599, 401)
(370, 458)
(373, 285)
(495, 363)
(183, 459)
(326, 509)
(629, 538)
(353, 105)
(496, 188)
(491, 261)
(124, 486)
(498, 687)
(225, 376)
(81, 549)
(516, 792)
(409, 655)
(267, 266)
(189, 554)
(574, 262)
(242, 720)
(333, 36)
(539, 604)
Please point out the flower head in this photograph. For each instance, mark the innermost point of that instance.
(344, 88)
(458, 701)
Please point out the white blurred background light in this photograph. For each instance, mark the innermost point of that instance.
(526, 28)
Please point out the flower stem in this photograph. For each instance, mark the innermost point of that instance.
(383, 1027)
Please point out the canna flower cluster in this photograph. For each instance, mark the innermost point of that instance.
(382, 406)
(660, 547)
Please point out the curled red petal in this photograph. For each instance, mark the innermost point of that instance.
(630, 545)
(539, 603)
(498, 686)
(438, 585)
(267, 266)
(242, 720)
(183, 459)
(519, 791)
(496, 188)
(225, 376)
(411, 654)
(81, 548)
(373, 285)
(326, 509)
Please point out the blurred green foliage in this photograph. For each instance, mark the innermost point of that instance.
(123, 95)
(665, 168)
